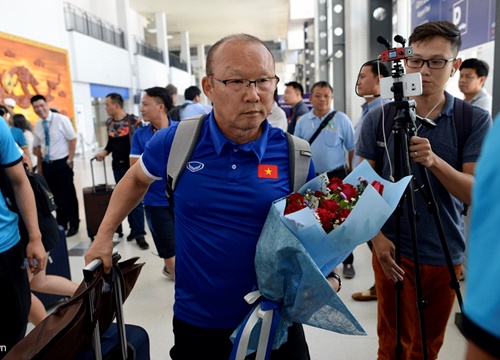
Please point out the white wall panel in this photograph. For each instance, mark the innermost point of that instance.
(84, 117)
(150, 73)
(95, 61)
(41, 21)
(182, 80)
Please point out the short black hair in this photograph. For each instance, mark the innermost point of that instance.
(297, 86)
(191, 92)
(321, 84)
(116, 99)
(374, 67)
(162, 95)
(3, 110)
(427, 31)
(36, 98)
(481, 67)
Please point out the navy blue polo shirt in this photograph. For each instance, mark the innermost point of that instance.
(221, 203)
(156, 193)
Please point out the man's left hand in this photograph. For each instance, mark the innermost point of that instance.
(421, 151)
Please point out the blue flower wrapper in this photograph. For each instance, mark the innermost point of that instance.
(294, 254)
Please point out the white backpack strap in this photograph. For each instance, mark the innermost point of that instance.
(185, 140)
(300, 160)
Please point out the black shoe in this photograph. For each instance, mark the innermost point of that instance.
(167, 273)
(348, 271)
(142, 243)
(131, 236)
(72, 231)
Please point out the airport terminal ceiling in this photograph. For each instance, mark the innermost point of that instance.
(208, 21)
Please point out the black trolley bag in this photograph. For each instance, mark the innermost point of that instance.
(96, 200)
(73, 330)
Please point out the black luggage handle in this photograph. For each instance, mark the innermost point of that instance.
(88, 275)
(92, 171)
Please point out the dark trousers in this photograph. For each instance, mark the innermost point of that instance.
(136, 216)
(161, 224)
(341, 172)
(59, 177)
(197, 343)
(15, 301)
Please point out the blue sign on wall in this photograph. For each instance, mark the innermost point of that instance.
(474, 18)
(100, 91)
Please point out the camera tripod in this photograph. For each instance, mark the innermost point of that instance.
(403, 129)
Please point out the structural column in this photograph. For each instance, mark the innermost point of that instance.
(161, 36)
(185, 51)
(122, 12)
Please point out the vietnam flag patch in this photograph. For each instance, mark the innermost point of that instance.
(268, 171)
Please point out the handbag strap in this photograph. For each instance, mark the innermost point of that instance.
(322, 126)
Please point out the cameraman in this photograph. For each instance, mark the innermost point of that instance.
(435, 46)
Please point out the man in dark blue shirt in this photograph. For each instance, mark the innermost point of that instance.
(294, 93)
(221, 201)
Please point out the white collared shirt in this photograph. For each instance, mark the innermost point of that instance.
(61, 132)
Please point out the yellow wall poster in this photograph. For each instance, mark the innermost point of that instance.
(28, 68)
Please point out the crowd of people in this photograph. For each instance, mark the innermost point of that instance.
(210, 253)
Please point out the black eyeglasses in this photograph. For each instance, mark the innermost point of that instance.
(432, 63)
(262, 84)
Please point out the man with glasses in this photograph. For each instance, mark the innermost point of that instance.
(435, 46)
(220, 202)
(473, 74)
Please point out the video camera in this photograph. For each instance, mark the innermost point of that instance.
(400, 85)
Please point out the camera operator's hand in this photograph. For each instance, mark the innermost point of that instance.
(386, 251)
(421, 151)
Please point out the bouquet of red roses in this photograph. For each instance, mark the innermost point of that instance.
(331, 217)
(334, 206)
(305, 236)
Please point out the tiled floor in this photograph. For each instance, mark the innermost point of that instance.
(150, 303)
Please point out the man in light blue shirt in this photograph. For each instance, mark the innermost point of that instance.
(473, 74)
(337, 137)
(482, 300)
(192, 105)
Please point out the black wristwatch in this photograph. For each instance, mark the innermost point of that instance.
(336, 277)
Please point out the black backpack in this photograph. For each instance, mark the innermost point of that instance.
(45, 204)
(174, 113)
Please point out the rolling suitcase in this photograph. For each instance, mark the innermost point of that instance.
(58, 264)
(96, 199)
(72, 330)
(120, 340)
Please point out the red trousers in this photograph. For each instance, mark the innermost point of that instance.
(436, 291)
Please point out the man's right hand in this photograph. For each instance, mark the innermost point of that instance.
(386, 254)
(101, 155)
(101, 248)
